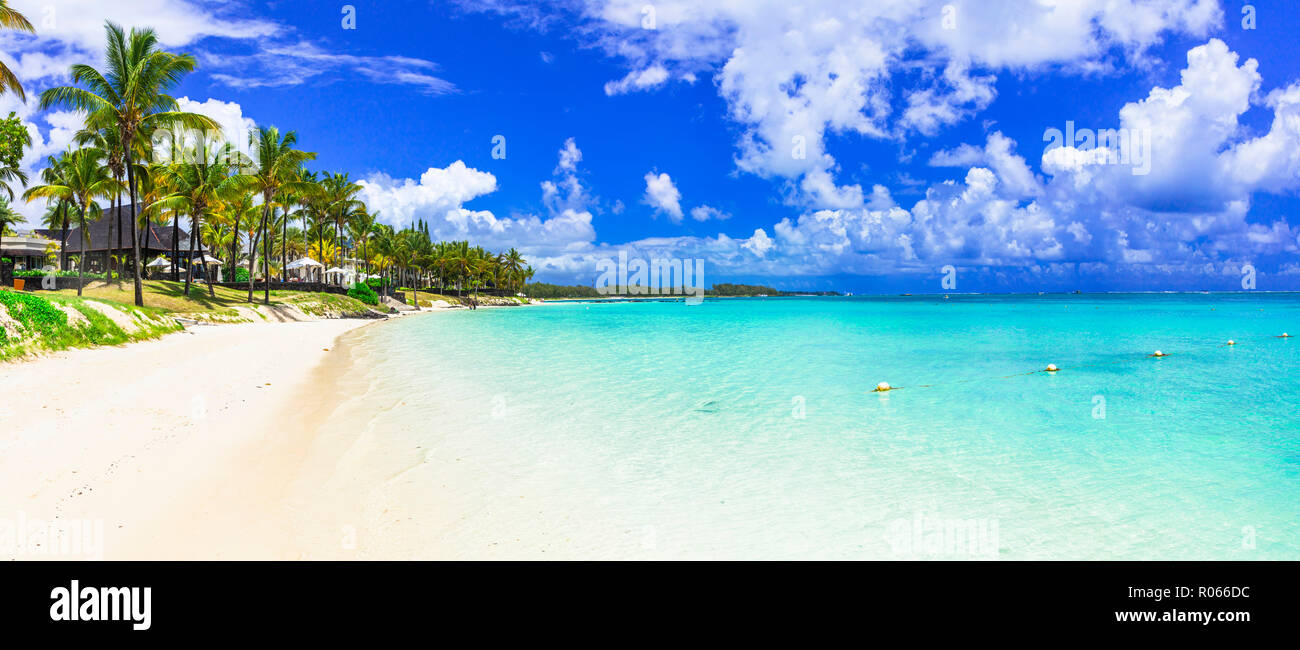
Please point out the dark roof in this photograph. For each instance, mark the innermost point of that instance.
(154, 238)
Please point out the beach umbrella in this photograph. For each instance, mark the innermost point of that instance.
(158, 263)
(207, 259)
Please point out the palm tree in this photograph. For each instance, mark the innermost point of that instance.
(235, 211)
(7, 216)
(86, 180)
(132, 98)
(12, 19)
(55, 173)
(276, 177)
(513, 264)
(195, 186)
(359, 230)
(106, 140)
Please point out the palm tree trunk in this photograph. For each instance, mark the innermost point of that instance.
(117, 197)
(252, 256)
(176, 242)
(135, 241)
(234, 241)
(266, 258)
(63, 243)
(81, 262)
(207, 275)
(189, 260)
(108, 247)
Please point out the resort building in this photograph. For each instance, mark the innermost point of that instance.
(28, 251)
(110, 237)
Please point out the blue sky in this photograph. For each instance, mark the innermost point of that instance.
(921, 125)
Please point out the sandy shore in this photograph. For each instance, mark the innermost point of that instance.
(171, 449)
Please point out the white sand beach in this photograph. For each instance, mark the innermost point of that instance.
(174, 449)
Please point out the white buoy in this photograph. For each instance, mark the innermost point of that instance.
(1285, 335)
(1158, 354)
(883, 387)
(1231, 342)
(1051, 367)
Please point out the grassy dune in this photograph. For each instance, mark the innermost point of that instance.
(106, 315)
(170, 296)
(34, 324)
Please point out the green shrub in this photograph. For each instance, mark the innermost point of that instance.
(240, 274)
(33, 313)
(364, 293)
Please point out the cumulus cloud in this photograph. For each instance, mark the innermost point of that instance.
(794, 73)
(439, 196)
(662, 195)
(1087, 216)
(435, 194)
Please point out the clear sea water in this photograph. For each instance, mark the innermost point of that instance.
(748, 428)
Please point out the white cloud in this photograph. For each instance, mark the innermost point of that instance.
(438, 197)
(662, 194)
(705, 213)
(277, 65)
(235, 126)
(800, 71)
(651, 77)
(435, 195)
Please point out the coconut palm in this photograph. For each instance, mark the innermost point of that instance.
(275, 178)
(85, 179)
(58, 212)
(12, 19)
(195, 186)
(8, 217)
(131, 96)
(359, 231)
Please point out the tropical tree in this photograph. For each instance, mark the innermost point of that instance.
(8, 217)
(196, 185)
(131, 96)
(57, 212)
(15, 139)
(275, 178)
(12, 19)
(86, 179)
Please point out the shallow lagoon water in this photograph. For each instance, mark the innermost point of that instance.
(748, 428)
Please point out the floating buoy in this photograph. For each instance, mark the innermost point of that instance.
(883, 387)
(1285, 336)
(1159, 354)
(1231, 342)
(1051, 367)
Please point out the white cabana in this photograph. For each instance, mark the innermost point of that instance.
(341, 274)
(303, 264)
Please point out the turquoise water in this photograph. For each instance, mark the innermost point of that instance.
(748, 428)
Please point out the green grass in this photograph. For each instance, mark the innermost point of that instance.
(170, 297)
(44, 327)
